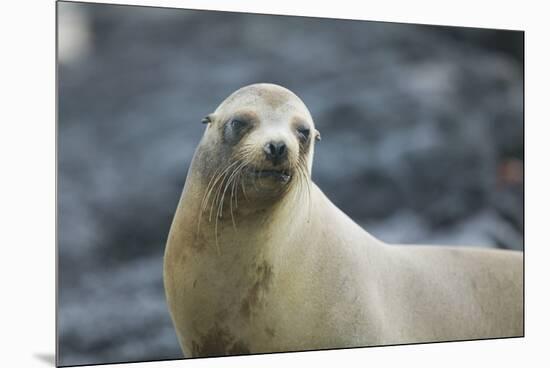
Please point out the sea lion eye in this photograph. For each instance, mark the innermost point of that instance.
(237, 124)
(303, 133)
(234, 129)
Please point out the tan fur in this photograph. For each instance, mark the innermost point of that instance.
(296, 273)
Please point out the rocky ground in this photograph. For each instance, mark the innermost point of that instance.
(422, 142)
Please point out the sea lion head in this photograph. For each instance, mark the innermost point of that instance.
(260, 139)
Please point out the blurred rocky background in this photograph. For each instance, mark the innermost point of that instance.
(422, 143)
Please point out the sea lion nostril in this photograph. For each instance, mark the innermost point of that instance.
(275, 151)
(269, 149)
(272, 149)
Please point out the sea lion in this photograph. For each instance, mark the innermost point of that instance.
(258, 259)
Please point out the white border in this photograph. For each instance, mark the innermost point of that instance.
(27, 165)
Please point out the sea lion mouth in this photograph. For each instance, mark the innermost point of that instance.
(282, 175)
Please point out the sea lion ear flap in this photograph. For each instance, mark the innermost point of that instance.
(317, 135)
(208, 119)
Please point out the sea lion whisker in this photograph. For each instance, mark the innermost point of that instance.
(227, 185)
(306, 181)
(220, 206)
(234, 192)
(218, 215)
(205, 197)
(220, 176)
(231, 203)
(215, 202)
(219, 198)
(212, 184)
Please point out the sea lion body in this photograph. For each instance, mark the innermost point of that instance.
(287, 270)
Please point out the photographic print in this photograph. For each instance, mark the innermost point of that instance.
(237, 183)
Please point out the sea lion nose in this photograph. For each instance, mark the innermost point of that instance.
(275, 151)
